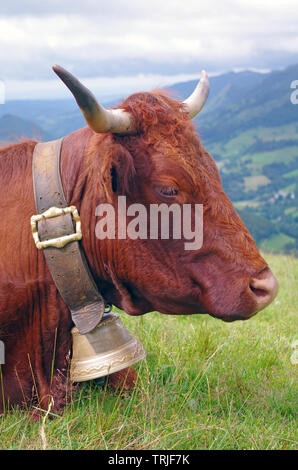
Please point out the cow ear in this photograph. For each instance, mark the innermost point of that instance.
(122, 171)
(114, 179)
(115, 169)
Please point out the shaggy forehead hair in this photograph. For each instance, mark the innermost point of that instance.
(162, 122)
(165, 148)
(166, 134)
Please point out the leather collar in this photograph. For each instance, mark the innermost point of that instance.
(54, 232)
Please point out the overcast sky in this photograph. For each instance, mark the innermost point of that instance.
(146, 42)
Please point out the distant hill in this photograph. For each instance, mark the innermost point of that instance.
(56, 117)
(249, 126)
(224, 89)
(12, 128)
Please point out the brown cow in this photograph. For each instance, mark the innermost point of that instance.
(149, 151)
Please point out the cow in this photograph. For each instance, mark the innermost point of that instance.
(148, 150)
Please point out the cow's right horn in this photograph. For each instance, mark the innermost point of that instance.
(195, 102)
(98, 118)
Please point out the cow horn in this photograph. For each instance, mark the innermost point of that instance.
(197, 99)
(98, 118)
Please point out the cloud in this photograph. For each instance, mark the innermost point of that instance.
(105, 88)
(130, 37)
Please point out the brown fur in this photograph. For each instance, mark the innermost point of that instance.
(138, 276)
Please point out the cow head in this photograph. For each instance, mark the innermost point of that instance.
(148, 150)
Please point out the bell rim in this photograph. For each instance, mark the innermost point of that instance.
(133, 347)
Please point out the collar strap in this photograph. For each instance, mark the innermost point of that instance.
(54, 233)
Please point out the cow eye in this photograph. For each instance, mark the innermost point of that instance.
(168, 191)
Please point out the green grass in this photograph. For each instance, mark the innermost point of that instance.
(204, 385)
(244, 204)
(291, 174)
(289, 188)
(276, 242)
(292, 211)
(254, 182)
(237, 146)
(274, 156)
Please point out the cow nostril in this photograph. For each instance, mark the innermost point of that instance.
(258, 292)
(264, 288)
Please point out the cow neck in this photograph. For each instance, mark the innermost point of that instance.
(67, 263)
(77, 181)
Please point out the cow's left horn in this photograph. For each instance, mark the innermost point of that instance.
(98, 118)
(197, 99)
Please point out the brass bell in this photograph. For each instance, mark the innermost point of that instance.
(106, 349)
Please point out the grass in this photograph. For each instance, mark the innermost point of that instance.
(248, 203)
(291, 174)
(276, 242)
(237, 146)
(204, 385)
(252, 183)
(273, 156)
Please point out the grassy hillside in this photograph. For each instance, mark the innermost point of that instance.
(12, 128)
(253, 135)
(250, 127)
(205, 384)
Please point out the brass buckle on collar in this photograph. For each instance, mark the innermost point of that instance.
(59, 242)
